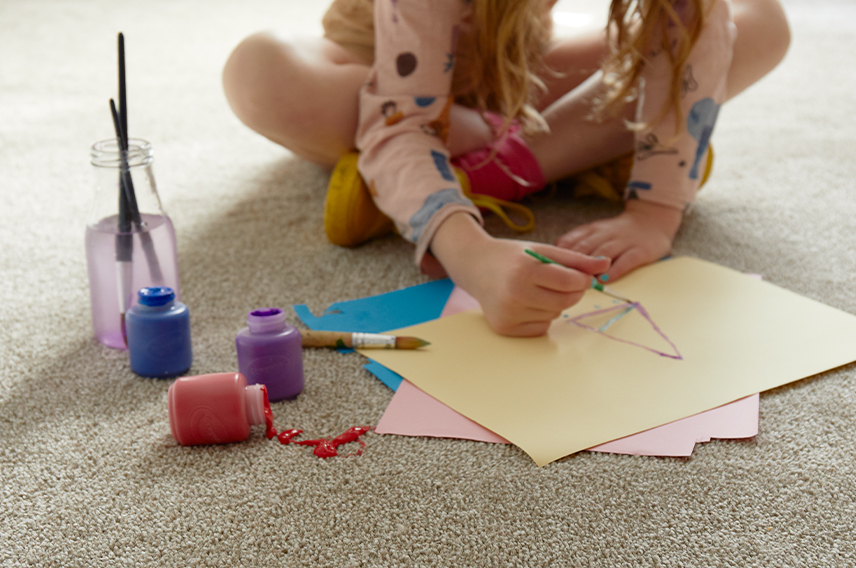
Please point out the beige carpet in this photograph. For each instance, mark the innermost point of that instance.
(90, 476)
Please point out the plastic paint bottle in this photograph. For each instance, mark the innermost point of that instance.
(270, 353)
(158, 329)
(217, 409)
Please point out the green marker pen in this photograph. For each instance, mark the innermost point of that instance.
(540, 257)
(594, 283)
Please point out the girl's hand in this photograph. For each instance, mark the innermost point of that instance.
(519, 295)
(640, 235)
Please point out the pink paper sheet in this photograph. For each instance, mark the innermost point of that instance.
(414, 413)
(411, 412)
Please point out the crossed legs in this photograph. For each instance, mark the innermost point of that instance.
(303, 93)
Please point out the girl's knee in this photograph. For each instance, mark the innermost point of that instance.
(777, 29)
(782, 33)
(247, 77)
(263, 79)
(298, 91)
(766, 19)
(763, 39)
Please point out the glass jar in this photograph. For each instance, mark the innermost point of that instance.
(130, 241)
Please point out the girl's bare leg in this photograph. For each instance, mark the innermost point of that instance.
(644, 231)
(763, 37)
(303, 93)
(576, 143)
(569, 61)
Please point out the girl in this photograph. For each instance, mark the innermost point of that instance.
(449, 98)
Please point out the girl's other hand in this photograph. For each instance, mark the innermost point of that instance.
(642, 234)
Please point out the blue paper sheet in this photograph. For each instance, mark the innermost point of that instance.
(376, 314)
(384, 312)
(384, 375)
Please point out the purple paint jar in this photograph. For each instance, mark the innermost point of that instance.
(270, 353)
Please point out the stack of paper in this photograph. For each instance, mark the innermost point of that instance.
(592, 380)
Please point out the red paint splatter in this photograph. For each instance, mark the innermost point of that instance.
(270, 431)
(327, 448)
(323, 448)
(286, 435)
(351, 434)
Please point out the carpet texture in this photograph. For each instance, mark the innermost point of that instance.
(91, 475)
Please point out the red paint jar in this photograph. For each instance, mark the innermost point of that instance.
(217, 409)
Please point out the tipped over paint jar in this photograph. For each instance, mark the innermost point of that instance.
(217, 409)
(270, 353)
(158, 330)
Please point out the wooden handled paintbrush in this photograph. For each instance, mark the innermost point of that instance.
(356, 340)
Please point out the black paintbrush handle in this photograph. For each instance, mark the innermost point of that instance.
(120, 121)
(123, 95)
(124, 206)
(132, 213)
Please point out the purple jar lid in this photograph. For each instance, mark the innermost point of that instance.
(266, 320)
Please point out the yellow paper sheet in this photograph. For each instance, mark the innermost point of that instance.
(575, 388)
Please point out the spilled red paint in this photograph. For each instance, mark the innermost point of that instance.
(270, 431)
(351, 434)
(327, 448)
(286, 435)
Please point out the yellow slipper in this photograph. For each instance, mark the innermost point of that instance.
(350, 215)
(608, 181)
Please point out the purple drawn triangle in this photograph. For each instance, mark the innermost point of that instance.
(643, 313)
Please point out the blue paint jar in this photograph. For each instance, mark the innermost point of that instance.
(158, 330)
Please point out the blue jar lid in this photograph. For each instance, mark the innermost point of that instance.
(156, 296)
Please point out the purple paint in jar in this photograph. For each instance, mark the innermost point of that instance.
(270, 353)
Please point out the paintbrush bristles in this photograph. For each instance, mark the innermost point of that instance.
(407, 342)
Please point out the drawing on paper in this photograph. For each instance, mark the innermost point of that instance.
(601, 320)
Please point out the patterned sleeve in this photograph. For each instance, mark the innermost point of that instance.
(668, 166)
(404, 117)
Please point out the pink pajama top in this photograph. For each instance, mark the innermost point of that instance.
(669, 164)
(405, 104)
(404, 116)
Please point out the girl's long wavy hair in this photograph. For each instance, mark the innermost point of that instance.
(636, 30)
(504, 58)
(504, 54)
